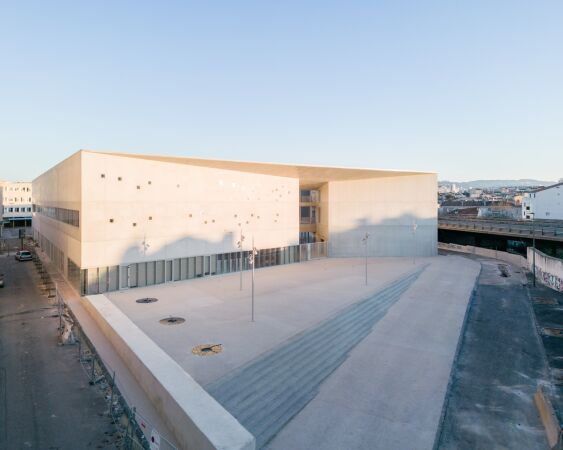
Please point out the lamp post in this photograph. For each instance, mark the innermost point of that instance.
(365, 241)
(252, 261)
(533, 214)
(239, 245)
(414, 227)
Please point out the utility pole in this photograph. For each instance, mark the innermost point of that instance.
(365, 241)
(239, 245)
(252, 261)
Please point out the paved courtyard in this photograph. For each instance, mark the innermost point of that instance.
(385, 390)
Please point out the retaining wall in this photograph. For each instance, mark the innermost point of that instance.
(549, 270)
(196, 419)
(511, 258)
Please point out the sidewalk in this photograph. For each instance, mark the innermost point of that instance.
(124, 379)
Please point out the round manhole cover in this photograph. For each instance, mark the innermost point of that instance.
(207, 349)
(147, 300)
(172, 321)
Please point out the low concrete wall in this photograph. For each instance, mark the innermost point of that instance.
(511, 258)
(196, 419)
(549, 270)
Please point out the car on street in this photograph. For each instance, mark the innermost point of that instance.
(1, 280)
(24, 255)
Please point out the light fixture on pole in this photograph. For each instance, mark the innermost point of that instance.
(365, 241)
(239, 245)
(252, 262)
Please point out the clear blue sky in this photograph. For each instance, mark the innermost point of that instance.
(467, 89)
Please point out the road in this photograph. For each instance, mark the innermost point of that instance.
(542, 229)
(490, 403)
(45, 399)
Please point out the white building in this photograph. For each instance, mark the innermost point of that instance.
(15, 203)
(546, 203)
(112, 221)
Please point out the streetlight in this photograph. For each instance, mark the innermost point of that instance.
(533, 214)
(252, 261)
(239, 245)
(365, 241)
(414, 227)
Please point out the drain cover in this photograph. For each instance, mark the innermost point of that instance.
(207, 349)
(147, 300)
(172, 321)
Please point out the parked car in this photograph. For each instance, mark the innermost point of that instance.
(1, 280)
(23, 255)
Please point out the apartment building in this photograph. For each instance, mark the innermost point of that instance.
(16, 203)
(114, 221)
(545, 203)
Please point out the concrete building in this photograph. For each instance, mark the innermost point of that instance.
(15, 203)
(545, 203)
(111, 221)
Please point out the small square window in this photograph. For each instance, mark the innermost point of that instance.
(150, 182)
(138, 187)
(150, 217)
(110, 220)
(134, 224)
(119, 178)
(103, 175)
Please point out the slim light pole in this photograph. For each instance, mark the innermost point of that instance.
(414, 227)
(239, 245)
(252, 261)
(533, 214)
(365, 241)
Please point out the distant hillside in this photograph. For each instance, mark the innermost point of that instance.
(498, 183)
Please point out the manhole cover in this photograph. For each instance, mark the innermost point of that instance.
(555, 332)
(172, 321)
(147, 300)
(207, 349)
(544, 301)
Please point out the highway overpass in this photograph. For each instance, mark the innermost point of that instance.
(503, 234)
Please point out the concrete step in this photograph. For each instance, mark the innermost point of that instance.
(223, 388)
(337, 344)
(257, 376)
(266, 393)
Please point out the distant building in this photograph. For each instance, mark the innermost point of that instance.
(476, 193)
(112, 221)
(546, 203)
(15, 203)
(518, 199)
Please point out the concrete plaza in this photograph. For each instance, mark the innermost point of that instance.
(387, 392)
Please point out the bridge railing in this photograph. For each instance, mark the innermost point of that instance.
(523, 228)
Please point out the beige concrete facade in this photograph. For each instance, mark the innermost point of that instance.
(111, 211)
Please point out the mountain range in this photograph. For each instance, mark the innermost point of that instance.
(487, 184)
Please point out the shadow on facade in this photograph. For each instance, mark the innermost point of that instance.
(405, 235)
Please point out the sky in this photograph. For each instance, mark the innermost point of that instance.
(471, 90)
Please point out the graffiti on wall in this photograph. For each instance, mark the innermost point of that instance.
(553, 281)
